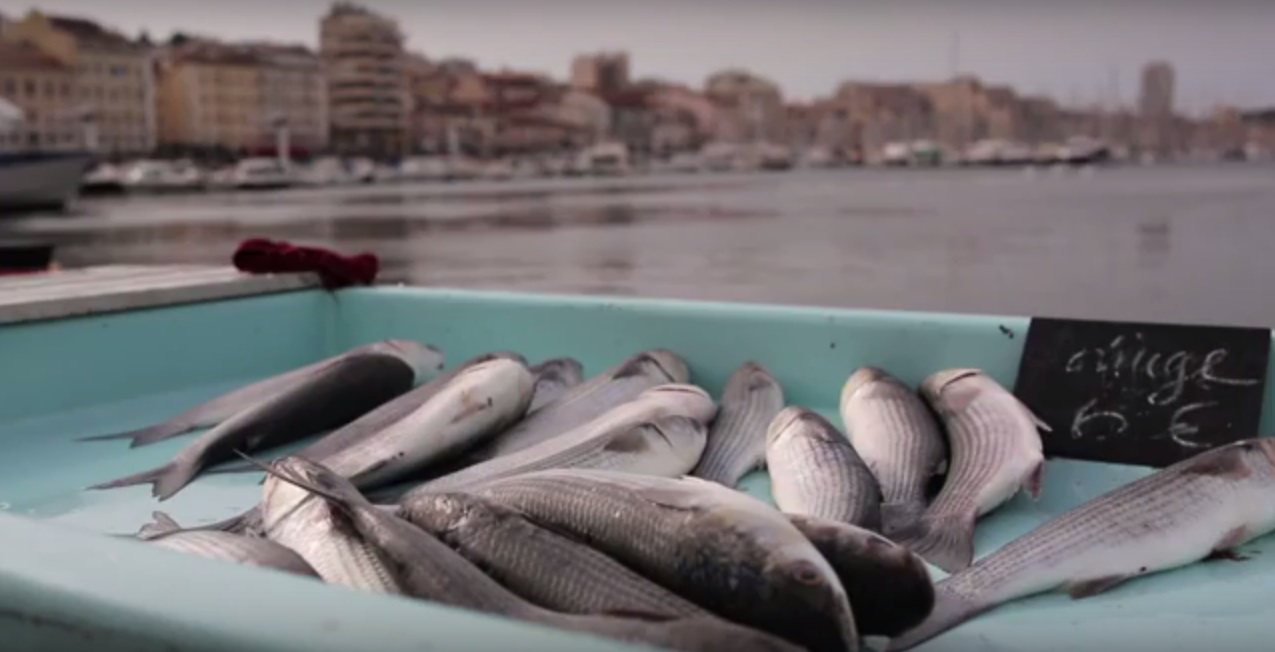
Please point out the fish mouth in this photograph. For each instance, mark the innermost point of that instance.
(669, 364)
(933, 386)
(860, 378)
(787, 418)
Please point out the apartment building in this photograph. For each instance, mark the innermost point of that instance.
(40, 87)
(114, 77)
(220, 96)
(363, 57)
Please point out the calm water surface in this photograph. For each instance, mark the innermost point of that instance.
(1179, 243)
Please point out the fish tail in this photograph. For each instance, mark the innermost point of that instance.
(900, 516)
(144, 436)
(165, 480)
(947, 541)
(950, 609)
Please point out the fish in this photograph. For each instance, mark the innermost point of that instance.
(661, 432)
(587, 401)
(889, 587)
(330, 398)
(895, 434)
(321, 533)
(426, 568)
(720, 548)
(1205, 506)
(553, 378)
(995, 451)
(547, 568)
(815, 471)
(737, 440)
(475, 403)
(230, 547)
(213, 412)
(381, 418)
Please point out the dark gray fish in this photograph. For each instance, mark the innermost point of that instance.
(424, 567)
(330, 398)
(661, 432)
(588, 401)
(547, 568)
(230, 547)
(477, 400)
(553, 378)
(896, 435)
(1205, 506)
(737, 440)
(995, 451)
(723, 550)
(816, 472)
(889, 587)
(213, 412)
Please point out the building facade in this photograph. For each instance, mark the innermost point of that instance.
(293, 94)
(747, 107)
(1155, 108)
(604, 73)
(114, 78)
(40, 86)
(363, 57)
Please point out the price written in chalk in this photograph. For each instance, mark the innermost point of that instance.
(1142, 393)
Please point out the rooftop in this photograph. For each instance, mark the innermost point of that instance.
(91, 33)
(20, 56)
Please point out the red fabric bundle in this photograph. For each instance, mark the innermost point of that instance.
(260, 256)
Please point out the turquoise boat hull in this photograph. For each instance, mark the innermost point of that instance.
(65, 586)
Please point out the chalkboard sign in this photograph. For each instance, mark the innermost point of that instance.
(1146, 394)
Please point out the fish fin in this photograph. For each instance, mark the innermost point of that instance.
(1034, 480)
(165, 480)
(332, 496)
(1225, 547)
(950, 609)
(160, 525)
(164, 520)
(629, 441)
(1091, 587)
(1040, 423)
(1226, 554)
(148, 435)
(945, 541)
(236, 467)
(898, 516)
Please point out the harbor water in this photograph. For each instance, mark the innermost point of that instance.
(1177, 243)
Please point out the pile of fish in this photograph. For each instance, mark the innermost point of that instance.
(608, 506)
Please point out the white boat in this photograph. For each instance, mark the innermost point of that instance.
(604, 159)
(37, 179)
(325, 171)
(162, 176)
(498, 170)
(256, 174)
(424, 168)
(103, 179)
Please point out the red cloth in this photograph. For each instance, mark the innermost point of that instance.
(260, 256)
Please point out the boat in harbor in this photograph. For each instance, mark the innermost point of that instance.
(34, 178)
(260, 173)
(187, 334)
(159, 177)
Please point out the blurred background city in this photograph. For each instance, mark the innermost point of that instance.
(1097, 160)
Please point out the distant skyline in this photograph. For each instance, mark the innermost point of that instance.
(1078, 51)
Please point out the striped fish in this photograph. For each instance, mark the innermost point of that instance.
(737, 439)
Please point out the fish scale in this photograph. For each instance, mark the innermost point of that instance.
(544, 567)
(995, 450)
(816, 472)
(737, 439)
(1162, 521)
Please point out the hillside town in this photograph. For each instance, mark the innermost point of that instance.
(362, 95)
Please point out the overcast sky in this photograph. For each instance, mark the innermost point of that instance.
(1078, 51)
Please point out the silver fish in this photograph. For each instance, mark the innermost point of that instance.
(737, 440)
(661, 432)
(722, 549)
(476, 402)
(896, 436)
(1202, 507)
(213, 412)
(553, 378)
(427, 568)
(815, 471)
(995, 451)
(322, 533)
(329, 398)
(230, 547)
(889, 587)
(588, 400)
(551, 570)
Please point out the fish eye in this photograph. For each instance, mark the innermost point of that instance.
(806, 573)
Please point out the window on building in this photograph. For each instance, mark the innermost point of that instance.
(10, 87)
(29, 87)
(65, 89)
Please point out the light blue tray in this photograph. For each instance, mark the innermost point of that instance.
(64, 586)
